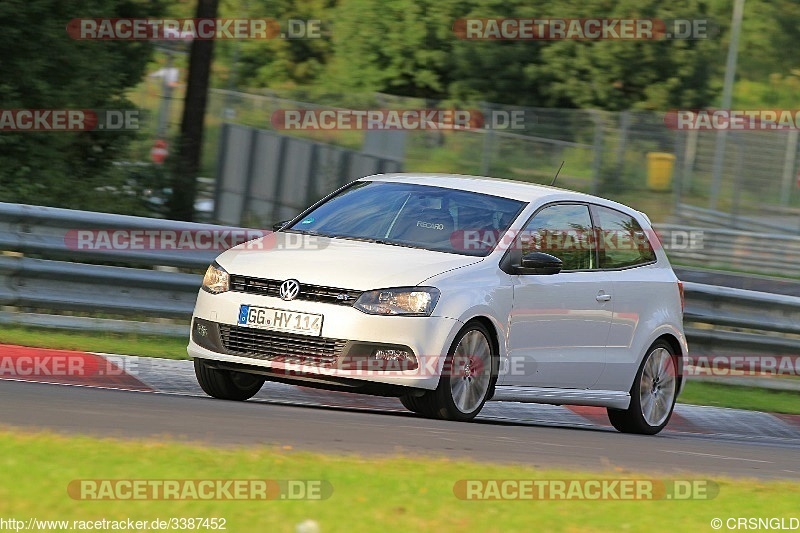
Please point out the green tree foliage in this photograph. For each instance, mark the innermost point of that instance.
(41, 67)
(623, 74)
(408, 47)
(402, 47)
(284, 63)
(770, 34)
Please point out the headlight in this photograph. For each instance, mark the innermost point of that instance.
(413, 301)
(216, 279)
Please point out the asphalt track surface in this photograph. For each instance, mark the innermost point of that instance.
(136, 414)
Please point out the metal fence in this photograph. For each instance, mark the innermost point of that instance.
(600, 157)
(605, 152)
(754, 185)
(264, 177)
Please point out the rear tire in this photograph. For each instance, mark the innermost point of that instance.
(226, 384)
(466, 378)
(653, 393)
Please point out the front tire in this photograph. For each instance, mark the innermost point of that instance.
(653, 393)
(226, 384)
(412, 403)
(465, 381)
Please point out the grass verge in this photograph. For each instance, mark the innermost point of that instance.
(120, 343)
(376, 494)
(738, 397)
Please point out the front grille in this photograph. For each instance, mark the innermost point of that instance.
(280, 347)
(312, 293)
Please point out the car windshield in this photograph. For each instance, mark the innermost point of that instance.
(418, 216)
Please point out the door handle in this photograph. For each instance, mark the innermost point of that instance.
(603, 297)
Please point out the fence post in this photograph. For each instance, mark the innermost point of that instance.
(221, 157)
(488, 143)
(597, 163)
(251, 170)
(716, 170)
(788, 166)
(277, 195)
(690, 155)
(737, 183)
(680, 170)
(622, 143)
(313, 176)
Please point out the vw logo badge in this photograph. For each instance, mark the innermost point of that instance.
(289, 289)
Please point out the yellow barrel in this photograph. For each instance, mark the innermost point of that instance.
(659, 171)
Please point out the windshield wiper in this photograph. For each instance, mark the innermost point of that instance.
(361, 239)
(309, 232)
(355, 238)
(375, 240)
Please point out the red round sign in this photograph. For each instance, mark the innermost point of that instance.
(159, 152)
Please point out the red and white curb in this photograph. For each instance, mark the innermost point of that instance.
(168, 376)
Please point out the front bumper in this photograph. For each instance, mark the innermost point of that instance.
(339, 354)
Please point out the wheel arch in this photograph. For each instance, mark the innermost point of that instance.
(677, 348)
(494, 338)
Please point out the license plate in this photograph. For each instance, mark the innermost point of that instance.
(251, 316)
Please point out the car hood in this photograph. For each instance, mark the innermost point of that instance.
(340, 263)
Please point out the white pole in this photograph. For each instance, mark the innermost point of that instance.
(727, 95)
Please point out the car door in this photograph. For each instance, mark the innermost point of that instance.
(560, 323)
(640, 289)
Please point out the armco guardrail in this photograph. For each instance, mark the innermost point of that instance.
(44, 231)
(778, 220)
(773, 253)
(43, 273)
(60, 285)
(46, 268)
(770, 322)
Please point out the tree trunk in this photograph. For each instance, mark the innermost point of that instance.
(186, 164)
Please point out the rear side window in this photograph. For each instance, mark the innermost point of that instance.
(621, 241)
(562, 230)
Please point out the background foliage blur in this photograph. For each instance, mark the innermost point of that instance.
(402, 48)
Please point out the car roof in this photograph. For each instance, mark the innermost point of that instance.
(515, 190)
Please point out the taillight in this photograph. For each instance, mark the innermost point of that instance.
(683, 299)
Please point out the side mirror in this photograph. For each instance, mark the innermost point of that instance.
(279, 225)
(539, 263)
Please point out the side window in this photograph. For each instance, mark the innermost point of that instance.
(565, 231)
(621, 240)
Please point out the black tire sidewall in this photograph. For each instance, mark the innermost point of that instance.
(445, 406)
(636, 422)
(221, 383)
